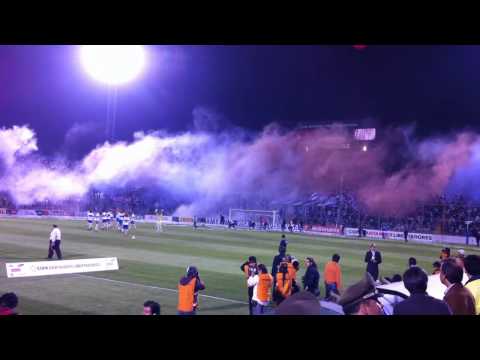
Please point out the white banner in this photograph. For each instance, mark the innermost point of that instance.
(325, 230)
(396, 235)
(41, 268)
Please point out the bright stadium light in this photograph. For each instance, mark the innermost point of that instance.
(113, 64)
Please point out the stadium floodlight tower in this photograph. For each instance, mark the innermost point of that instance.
(114, 66)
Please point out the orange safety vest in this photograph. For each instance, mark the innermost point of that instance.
(186, 296)
(292, 272)
(263, 287)
(333, 274)
(284, 288)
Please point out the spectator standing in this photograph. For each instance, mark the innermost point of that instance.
(472, 268)
(333, 277)
(415, 281)
(460, 299)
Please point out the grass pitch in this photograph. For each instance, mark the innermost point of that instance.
(151, 265)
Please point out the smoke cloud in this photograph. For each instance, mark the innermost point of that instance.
(207, 169)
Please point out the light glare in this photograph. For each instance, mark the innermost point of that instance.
(113, 64)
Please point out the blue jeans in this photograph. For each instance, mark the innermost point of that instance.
(330, 288)
(259, 309)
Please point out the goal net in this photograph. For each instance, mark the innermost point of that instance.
(259, 217)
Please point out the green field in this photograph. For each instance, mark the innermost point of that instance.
(151, 265)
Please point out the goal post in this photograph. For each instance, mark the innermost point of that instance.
(243, 216)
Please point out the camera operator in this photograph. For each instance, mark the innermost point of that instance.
(250, 269)
(283, 288)
(261, 284)
(188, 289)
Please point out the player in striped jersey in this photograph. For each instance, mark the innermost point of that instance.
(90, 217)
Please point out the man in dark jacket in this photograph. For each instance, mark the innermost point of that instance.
(415, 281)
(459, 298)
(373, 258)
(311, 278)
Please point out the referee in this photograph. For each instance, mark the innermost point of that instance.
(55, 238)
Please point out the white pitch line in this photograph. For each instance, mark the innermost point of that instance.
(159, 288)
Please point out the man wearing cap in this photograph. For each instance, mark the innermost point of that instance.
(302, 303)
(361, 298)
(415, 281)
(373, 258)
(55, 239)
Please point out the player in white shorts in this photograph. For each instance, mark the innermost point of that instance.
(97, 221)
(104, 220)
(132, 221)
(159, 227)
(90, 217)
(125, 224)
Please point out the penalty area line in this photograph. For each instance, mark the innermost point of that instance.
(159, 288)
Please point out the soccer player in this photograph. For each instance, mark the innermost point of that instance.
(119, 220)
(97, 221)
(159, 227)
(132, 221)
(126, 224)
(104, 220)
(90, 217)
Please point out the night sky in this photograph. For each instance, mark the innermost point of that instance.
(435, 87)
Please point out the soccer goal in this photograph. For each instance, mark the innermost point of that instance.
(259, 217)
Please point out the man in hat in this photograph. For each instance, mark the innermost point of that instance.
(361, 298)
(373, 258)
(302, 303)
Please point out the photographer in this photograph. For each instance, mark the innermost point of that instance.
(283, 288)
(250, 269)
(293, 267)
(188, 289)
(262, 285)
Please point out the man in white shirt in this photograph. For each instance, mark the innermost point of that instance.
(55, 238)
(262, 286)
